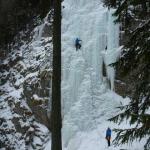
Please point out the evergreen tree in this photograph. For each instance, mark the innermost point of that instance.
(134, 63)
(15, 15)
(56, 82)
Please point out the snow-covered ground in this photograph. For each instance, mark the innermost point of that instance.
(87, 100)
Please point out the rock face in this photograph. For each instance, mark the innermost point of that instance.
(122, 88)
(126, 83)
(122, 82)
(37, 93)
(25, 84)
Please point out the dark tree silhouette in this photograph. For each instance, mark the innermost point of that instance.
(56, 82)
(14, 17)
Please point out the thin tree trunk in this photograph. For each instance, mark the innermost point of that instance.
(56, 82)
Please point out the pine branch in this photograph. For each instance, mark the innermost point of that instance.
(129, 135)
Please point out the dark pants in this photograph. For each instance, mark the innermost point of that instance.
(78, 46)
(108, 140)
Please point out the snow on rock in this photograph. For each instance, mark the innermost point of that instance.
(24, 90)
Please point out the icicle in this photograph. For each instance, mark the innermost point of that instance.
(111, 54)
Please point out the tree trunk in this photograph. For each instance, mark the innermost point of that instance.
(56, 81)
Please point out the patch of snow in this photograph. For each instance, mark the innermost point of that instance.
(30, 75)
(36, 97)
(16, 93)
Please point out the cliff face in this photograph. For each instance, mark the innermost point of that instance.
(25, 76)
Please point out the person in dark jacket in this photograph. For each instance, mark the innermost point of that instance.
(108, 135)
(78, 43)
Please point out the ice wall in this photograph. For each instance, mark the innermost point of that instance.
(82, 78)
(112, 52)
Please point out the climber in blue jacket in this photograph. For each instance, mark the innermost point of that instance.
(78, 43)
(108, 135)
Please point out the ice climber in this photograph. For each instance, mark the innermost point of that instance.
(108, 135)
(78, 43)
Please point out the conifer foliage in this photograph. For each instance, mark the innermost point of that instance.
(16, 14)
(134, 15)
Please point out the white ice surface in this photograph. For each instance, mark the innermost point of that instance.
(87, 102)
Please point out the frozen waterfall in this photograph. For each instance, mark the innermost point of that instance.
(88, 100)
(84, 89)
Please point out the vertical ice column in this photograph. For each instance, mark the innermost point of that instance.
(113, 31)
(112, 46)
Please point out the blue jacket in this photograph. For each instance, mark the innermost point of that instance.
(77, 41)
(108, 132)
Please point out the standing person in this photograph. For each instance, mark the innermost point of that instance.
(78, 43)
(108, 135)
